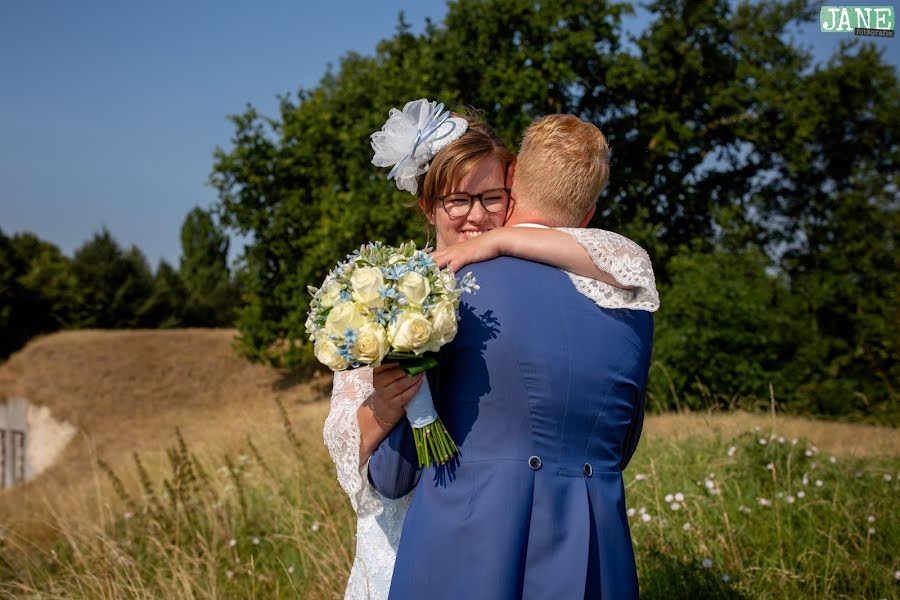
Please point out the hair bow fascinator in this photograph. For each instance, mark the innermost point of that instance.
(412, 137)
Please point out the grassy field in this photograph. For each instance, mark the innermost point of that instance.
(242, 500)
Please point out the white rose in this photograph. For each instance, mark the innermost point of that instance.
(447, 279)
(395, 258)
(346, 315)
(331, 294)
(410, 332)
(444, 322)
(327, 353)
(371, 344)
(415, 287)
(366, 283)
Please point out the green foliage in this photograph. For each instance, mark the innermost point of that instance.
(114, 283)
(727, 325)
(726, 139)
(211, 293)
(166, 305)
(38, 292)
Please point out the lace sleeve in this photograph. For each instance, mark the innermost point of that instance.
(627, 262)
(351, 388)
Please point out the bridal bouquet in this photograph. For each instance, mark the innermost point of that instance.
(391, 303)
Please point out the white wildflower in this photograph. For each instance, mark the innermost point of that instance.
(232, 542)
(801, 494)
(315, 526)
(790, 499)
(781, 439)
(291, 569)
(794, 441)
(731, 451)
(646, 518)
(128, 515)
(229, 573)
(770, 466)
(679, 497)
(669, 497)
(819, 483)
(871, 518)
(764, 501)
(707, 563)
(763, 441)
(726, 578)
(744, 509)
(631, 512)
(642, 510)
(887, 477)
(675, 506)
(808, 452)
(897, 575)
(832, 459)
(686, 526)
(256, 541)
(640, 477)
(871, 531)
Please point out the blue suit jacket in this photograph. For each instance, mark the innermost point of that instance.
(543, 392)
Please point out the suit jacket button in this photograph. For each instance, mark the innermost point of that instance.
(535, 462)
(588, 471)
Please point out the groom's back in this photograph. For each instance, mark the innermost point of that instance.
(539, 369)
(541, 391)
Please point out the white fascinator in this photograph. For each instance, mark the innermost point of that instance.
(410, 139)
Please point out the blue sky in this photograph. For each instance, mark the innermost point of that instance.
(110, 111)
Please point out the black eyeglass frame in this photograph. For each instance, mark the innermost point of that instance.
(472, 199)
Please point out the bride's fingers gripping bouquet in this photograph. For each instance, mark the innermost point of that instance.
(396, 304)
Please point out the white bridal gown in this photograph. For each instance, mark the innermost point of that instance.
(380, 519)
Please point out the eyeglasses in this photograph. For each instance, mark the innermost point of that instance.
(459, 204)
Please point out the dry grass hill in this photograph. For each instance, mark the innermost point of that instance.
(126, 391)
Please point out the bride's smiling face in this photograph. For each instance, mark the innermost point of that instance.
(488, 174)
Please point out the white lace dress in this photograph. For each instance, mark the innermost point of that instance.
(380, 519)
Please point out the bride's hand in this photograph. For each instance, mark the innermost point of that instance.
(393, 391)
(477, 249)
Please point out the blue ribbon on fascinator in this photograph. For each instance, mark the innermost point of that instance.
(436, 117)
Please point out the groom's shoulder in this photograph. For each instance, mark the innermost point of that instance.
(509, 268)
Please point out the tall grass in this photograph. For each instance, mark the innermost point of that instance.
(756, 516)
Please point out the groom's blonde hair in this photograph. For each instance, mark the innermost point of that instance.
(561, 169)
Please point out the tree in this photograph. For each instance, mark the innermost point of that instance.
(727, 331)
(727, 140)
(114, 283)
(211, 294)
(167, 304)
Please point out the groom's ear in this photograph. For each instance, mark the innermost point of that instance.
(428, 215)
(510, 173)
(587, 218)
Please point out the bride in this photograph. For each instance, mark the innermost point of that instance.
(460, 172)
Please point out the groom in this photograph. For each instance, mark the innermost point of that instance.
(543, 392)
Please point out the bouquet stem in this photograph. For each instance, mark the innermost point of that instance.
(433, 442)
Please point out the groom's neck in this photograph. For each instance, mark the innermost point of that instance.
(520, 218)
